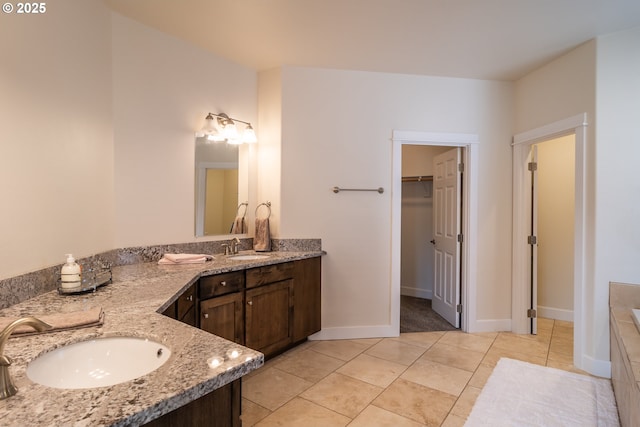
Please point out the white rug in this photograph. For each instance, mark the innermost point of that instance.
(522, 394)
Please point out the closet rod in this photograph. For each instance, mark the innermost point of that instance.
(417, 178)
(338, 189)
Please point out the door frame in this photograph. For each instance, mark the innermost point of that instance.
(469, 217)
(522, 143)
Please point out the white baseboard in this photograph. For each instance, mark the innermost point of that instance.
(555, 313)
(599, 368)
(416, 292)
(491, 325)
(355, 332)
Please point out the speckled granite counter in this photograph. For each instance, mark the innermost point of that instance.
(132, 304)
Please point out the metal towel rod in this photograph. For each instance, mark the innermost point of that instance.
(338, 189)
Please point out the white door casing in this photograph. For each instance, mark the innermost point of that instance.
(446, 228)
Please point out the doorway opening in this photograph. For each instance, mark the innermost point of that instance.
(420, 204)
(523, 301)
(468, 219)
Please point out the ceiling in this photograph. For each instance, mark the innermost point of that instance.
(482, 39)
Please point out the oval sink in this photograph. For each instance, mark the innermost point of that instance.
(248, 257)
(97, 363)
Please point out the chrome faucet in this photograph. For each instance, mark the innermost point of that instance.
(7, 388)
(234, 245)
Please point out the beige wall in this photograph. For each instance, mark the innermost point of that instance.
(556, 170)
(56, 155)
(336, 131)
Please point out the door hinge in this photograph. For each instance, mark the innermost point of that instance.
(459, 308)
(460, 238)
(460, 167)
(532, 240)
(532, 166)
(531, 313)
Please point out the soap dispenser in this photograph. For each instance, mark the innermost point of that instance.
(71, 274)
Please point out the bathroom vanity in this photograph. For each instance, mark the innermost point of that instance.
(270, 304)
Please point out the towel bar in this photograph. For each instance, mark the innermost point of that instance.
(338, 189)
(268, 205)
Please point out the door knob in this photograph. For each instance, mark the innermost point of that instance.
(433, 241)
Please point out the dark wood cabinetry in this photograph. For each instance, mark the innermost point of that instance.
(220, 408)
(224, 316)
(306, 298)
(184, 308)
(268, 317)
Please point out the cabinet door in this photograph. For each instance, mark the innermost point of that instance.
(223, 316)
(268, 317)
(186, 307)
(306, 298)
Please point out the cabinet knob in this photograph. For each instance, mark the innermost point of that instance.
(223, 283)
(206, 315)
(190, 298)
(250, 302)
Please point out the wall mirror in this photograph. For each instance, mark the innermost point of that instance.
(221, 185)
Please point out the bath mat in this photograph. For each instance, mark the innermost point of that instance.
(523, 394)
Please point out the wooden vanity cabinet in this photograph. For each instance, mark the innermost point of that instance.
(220, 408)
(269, 308)
(222, 305)
(306, 298)
(184, 308)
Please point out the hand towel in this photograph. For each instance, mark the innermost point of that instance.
(59, 321)
(184, 259)
(239, 225)
(262, 238)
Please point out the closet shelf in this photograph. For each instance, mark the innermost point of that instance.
(417, 178)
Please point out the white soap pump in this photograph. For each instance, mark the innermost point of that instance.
(71, 274)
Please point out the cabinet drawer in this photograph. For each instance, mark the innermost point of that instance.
(221, 284)
(268, 274)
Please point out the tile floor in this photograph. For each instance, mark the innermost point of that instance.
(417, 379)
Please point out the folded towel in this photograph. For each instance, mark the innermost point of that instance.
(59, 321)
(185, 259)
(239, 226)
(262, 238)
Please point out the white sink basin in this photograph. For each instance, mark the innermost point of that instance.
(97, 363)
(248, 257)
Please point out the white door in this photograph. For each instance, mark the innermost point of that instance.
(533, 240)
(447, 235)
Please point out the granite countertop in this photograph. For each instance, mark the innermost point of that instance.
(132, 306)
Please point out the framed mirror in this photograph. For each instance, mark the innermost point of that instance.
(221, 186)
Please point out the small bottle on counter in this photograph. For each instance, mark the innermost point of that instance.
(71, 274)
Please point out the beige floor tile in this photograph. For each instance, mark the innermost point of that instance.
(522, 344)
(437, 376)
(372, 370)
(453, 421)
(467, 341)
(273, 388)
(341, 349)
(252, 413)
(300, 412)
(422, 339)
(417, 402)
(454, 356)
(378, 417)
(466, 401)
(563, 324)
(561, 345)
(480, 376)
(563, 331)
(310, 365)
(494, 354)
(396, 351)
(545, 324)
(340, 393)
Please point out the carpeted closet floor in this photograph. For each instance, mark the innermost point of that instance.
(416, 315)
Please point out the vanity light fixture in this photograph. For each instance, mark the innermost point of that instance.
(220, 127)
